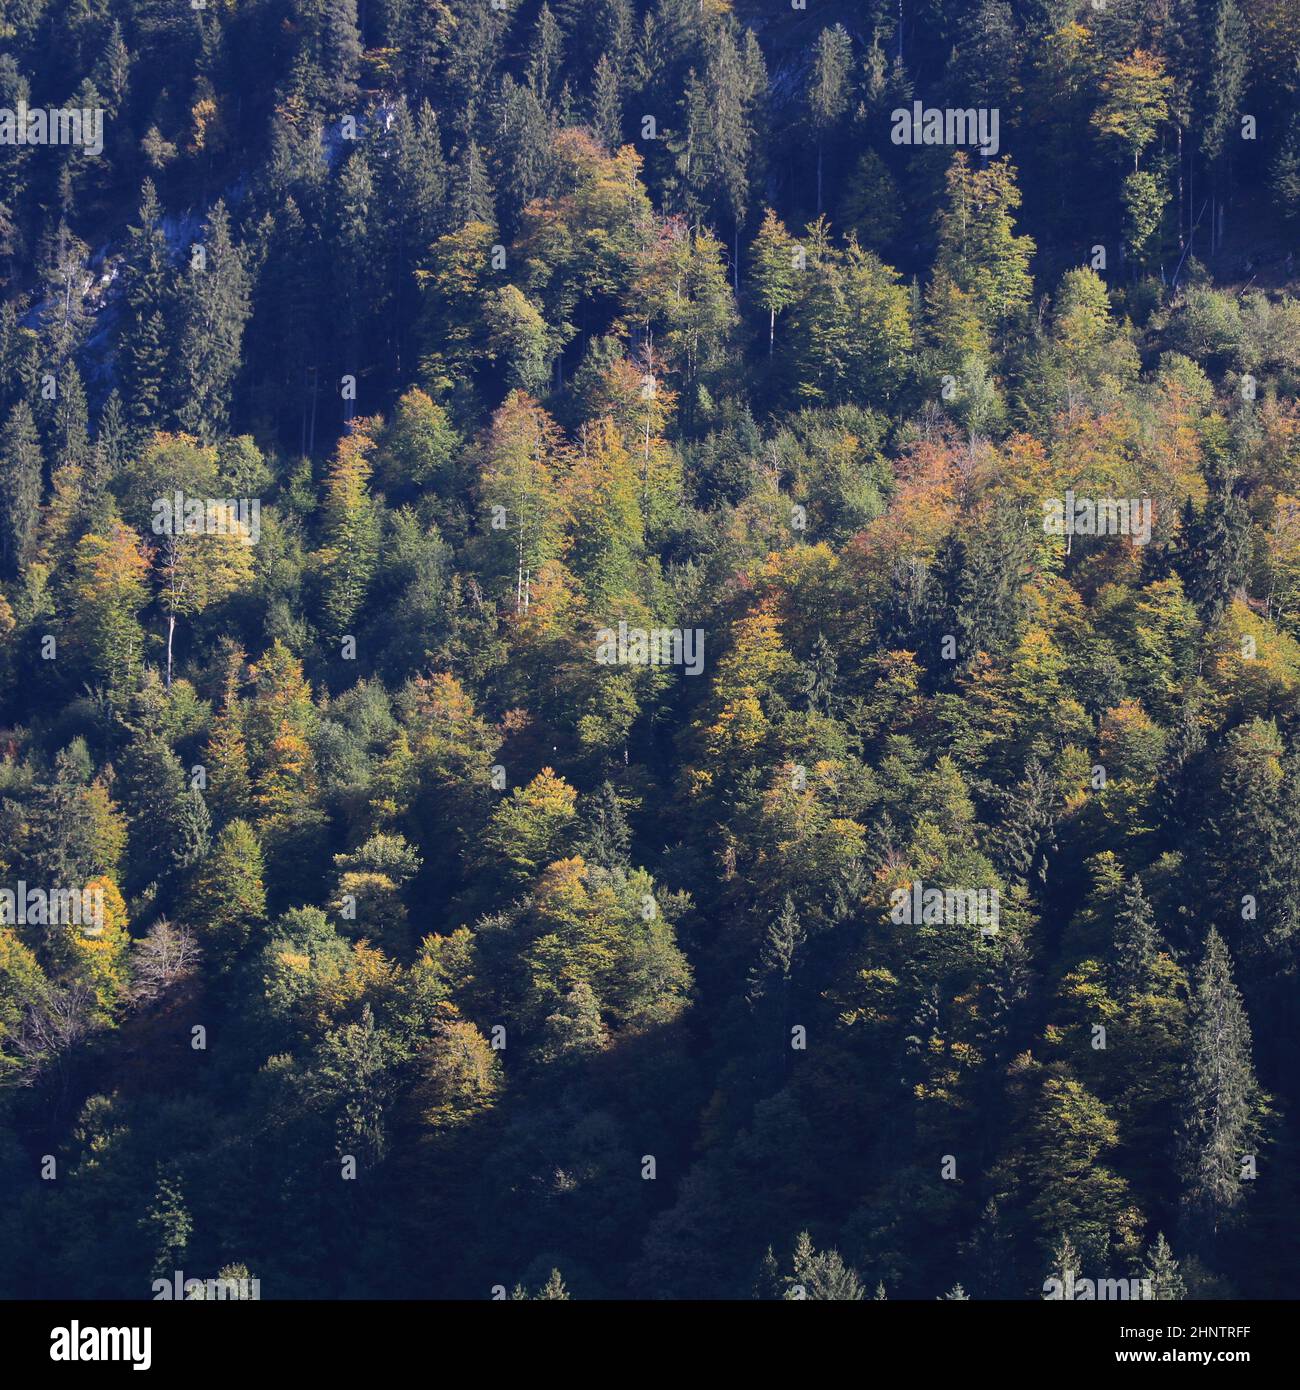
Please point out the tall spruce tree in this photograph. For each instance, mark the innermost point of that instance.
(1136, 940)
(144, 338)
(1221, 1100)
(213, 309)
(20, 489)
(828, 90)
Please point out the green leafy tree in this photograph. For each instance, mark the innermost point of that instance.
(1134, 102)
(228, 897)
(351, 528)
(979, 251)
(775, 271)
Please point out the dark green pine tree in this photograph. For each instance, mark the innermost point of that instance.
(112, 74)
(574, 1029)
(982, 579)
(69, 438)
(1221, 1100)
(828, 90)
(1250, 835)
(472, 198)
(168, 822)
(989, 53)
(1218, 554)
(819, 676)
(1183, 52)
(545, 58)
(467, 67)
(1284, 173)
(15, 160)
(606, 835)
(143, 340)
(990, 1253)
(821, 1275)
(564, 117)
(733, 81)
(61, 822)
(1026, 834)
(286, 346)
(112, 439)
(413, 31)
(607, 103)
(769, 977)
(767, 1281)
(1160, 1267)
(411, 174)
(523, 130)
(593, 27)
(1178, 786)
(20, 489)
(10, 239)
(168, 1225)
(84, 180)
(213, 309)
(692, 148)
(1226, 73)
(1225, 77)
(20, 358)
(65, 317)
(1136, 940)
(360, 288)
(191, 830)
(329, 53)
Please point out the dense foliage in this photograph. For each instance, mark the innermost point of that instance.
(439, 953)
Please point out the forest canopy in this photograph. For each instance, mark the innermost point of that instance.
(649, 648)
